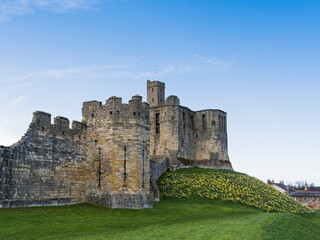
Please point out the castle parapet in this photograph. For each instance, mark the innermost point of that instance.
(115, 110)
(90, 109)
(211, 119)
(41, 124)
(78, 126)
(62, 123)
(137, 107)
(41, 119)
(172, 100)
(114, 101)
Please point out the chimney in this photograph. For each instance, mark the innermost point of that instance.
(306, 187)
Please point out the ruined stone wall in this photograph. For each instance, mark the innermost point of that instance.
(106, 158)
(164, 132)
(118, 149)
(187, 136)
(211, 139)
(46, 167)
(181, 137)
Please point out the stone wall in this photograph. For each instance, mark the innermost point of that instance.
(46, 167)
(114, 156)
(211, 143)
(118, 148)
(180, 137)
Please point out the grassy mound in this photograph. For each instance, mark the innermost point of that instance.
(229, 186)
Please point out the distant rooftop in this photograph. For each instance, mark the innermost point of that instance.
(304, 194)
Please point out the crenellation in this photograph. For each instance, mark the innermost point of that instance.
(90, 109)
(172, 100)
(41, 119)
(78, 127)
(62, 123)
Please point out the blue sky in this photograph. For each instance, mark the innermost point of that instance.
(257, 60)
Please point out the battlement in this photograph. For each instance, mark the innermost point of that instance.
(212, 110)
(155, 84)
(172, 100)
(114, 100)
(92, 104)
(116, 110)
(41, 122)
(211, 119)
(41, 118)
(78, 126)
(62, 123)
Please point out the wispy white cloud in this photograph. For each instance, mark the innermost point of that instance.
(81, 72)
(14, 102)
(11, 8)
(8, 104)
(175, 69)
(214, 60)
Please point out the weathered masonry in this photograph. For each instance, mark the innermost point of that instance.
(180, 137)
(114, 156)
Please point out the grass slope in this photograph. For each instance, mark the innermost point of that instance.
(172, 218)
(169, 219)
(227, 185)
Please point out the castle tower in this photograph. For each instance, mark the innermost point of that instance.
(118, 149)
(155, 93)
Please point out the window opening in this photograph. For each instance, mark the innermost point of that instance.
(125, 167)
(204, 124)
(99, 169)
(192, 122)
(53, 145)
(143, 156)
(157, 123)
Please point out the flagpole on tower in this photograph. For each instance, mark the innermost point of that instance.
(155, 73)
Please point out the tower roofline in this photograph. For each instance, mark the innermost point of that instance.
(155, 83)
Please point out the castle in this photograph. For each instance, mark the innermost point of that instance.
(114, 156)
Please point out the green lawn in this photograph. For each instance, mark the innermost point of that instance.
(196, 204)
(169, 219)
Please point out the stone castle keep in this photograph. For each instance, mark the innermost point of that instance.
(114, 156)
